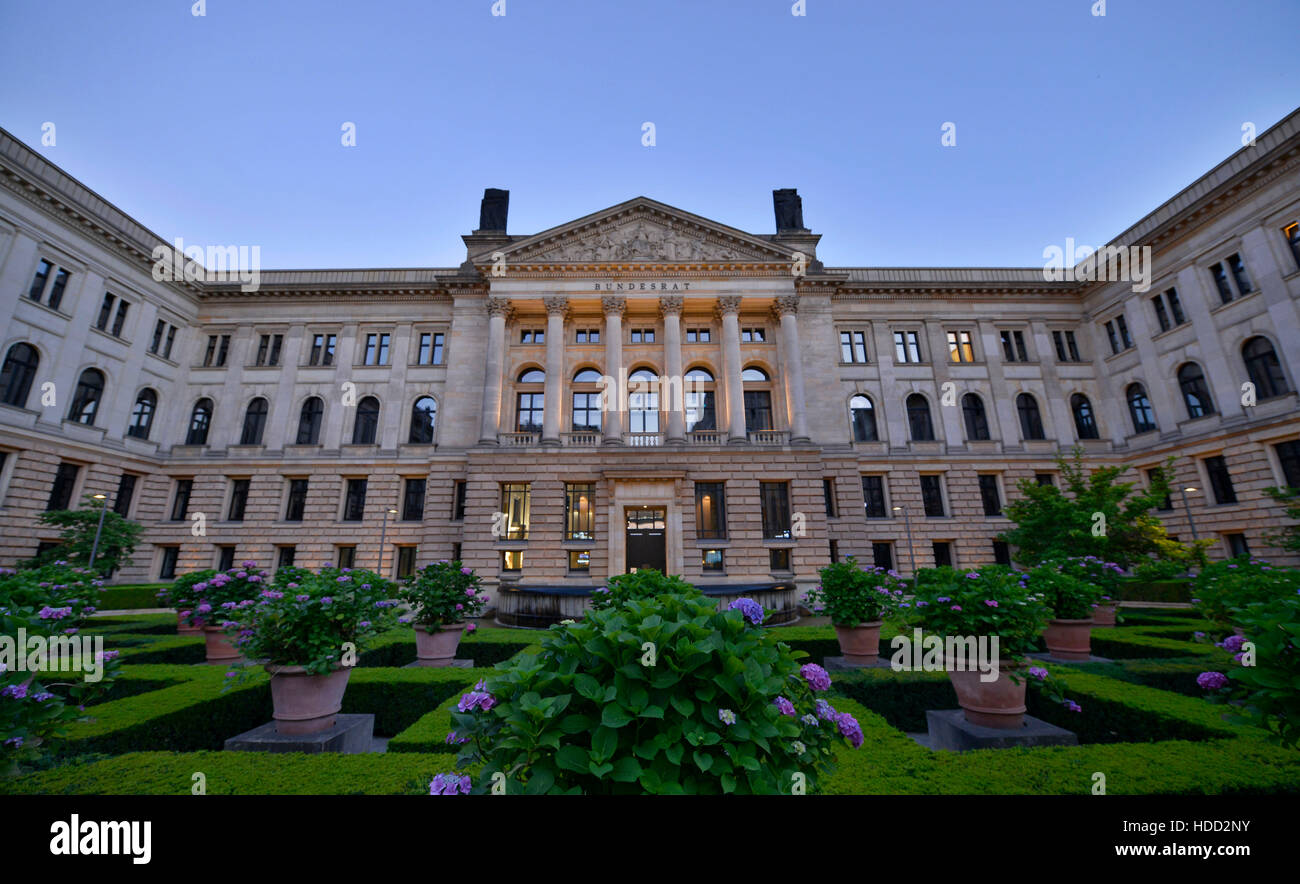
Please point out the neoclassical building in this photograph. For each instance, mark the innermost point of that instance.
(638, 387)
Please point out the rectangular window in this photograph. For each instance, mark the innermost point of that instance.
(960, 348)
(512, 560)
(455, 552)
(1001, 552)
(268, 350)
(580, 560)
(1221, 283)
(1162, 315)
(1121, 325)
(942, 553)
(1237, 545)
(710, 510)
(699, 335)
(156, 343)
(171, 339)
(60, 285)
(1239, 274)
(711, 560)
(642, 336)
(285, 556)
(458, 502)
(297, 500)
(515, 506)
(1044, 479)
(990, 495)
(1220, 481)
(377, 348)
(347, 556)
(828, 494)
(1291, 233)
(218, 350)
(753, 335)
(125, 493)
(579, 511)
(65, 480)
(853, 346)
(882, 555)
(167, 562)
(181, 499)
(532, 336)
(36, 290)
(835, 551)
(1167, 504)
(105, 311)
(225, 558)
(119, 321)
(430, 349)
(591, 336)
(238, 500)
(932, 496)
(413, 500)
(405, 561)
(354, 500)
(1110, 336)
(1067, 348)
(1013, 345)
(907, 346)
(322, 349)
(1288, 456)
(1175, 306)
(873, 494)
(774, 500)
(778, 559)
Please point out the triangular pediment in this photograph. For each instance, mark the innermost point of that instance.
(644, 230)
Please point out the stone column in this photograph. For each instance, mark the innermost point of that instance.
(729, 309)
(556, 308)
(498, 310)
(611, 419)
(672, 393)
(786, 309)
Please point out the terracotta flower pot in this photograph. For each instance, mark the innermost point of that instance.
(860, 644)
(183, 628)
(1104, 615)
(999, 703)
(1069, 639)
(303, 703)
(219, 649)
(437, 648)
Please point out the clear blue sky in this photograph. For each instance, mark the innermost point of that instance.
(225, 129)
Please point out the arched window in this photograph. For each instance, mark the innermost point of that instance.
(1139, 407)
(1031, 422)
(1264, 369)
(701, 411)
(1196, 393)
(758, 403)
(918, 418)
(85, 401)
(1085, 423)
(142, 415)
(424, 417)
(586, 401)
(366, 427)
(977, 422)
(309, 421)
(200, 420)
(19, 371)
(530, 404)
(254, 422)
(643, 404)
(862, 416)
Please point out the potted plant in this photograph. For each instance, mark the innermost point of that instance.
(441, 595)
(1072, 600)
(306, 633)
(180, 595)
(1223, 589)
(214, 602)
(994, 602)
(857, 600)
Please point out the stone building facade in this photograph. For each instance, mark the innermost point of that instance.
(799, 412)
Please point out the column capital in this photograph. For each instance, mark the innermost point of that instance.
(613, 305)
(728, 305)
(786, 304)
(556, 305)
(499, 307)
(670, 305)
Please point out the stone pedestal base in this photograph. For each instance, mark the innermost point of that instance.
(839, 664)
(950, 730)
(1046, 657)
(351, 735)
(455, 664)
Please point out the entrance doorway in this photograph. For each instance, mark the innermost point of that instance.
(646, 538)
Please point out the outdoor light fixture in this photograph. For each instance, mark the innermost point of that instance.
(383, 531)
(1186, 506)
(103, 509)
(911, 550)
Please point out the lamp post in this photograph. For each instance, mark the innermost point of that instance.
(911, 550)
(1190, 521)
(382, 532)
(103, 509)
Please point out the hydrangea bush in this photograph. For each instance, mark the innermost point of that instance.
(660, 694)
(443, 593)
(180, 594)
(310, 619)
(995, 600)
(851, 594)
(646, 583)
(1069, 597)
(50, 602)
(1223, 589)
(214, 597)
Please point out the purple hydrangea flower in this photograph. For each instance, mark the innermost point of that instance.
(1212, 681)
(850, 729)
(450, 784)
(1072, 706)
(1038, 672)
(752, 610)
(17, 691)
(825, 711)
(955, 608)
(786, 707)
(455, 738)
(1233, 643)
(992, 603)
(727, 717)
(817, 678)
(810, 720)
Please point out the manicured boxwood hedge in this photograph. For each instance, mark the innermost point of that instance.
(128, 596)
(1134, 590)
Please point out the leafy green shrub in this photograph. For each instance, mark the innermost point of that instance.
(993, 601)
(664, 695)
(1156, 570)
(1070, 597)
(210, 601)
(90, 529)
(646, 583)
(851, 594)
(1222, 589)
(443, 593)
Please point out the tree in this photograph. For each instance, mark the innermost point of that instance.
(1093, 513)
(117, 539)
(1289, 535)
